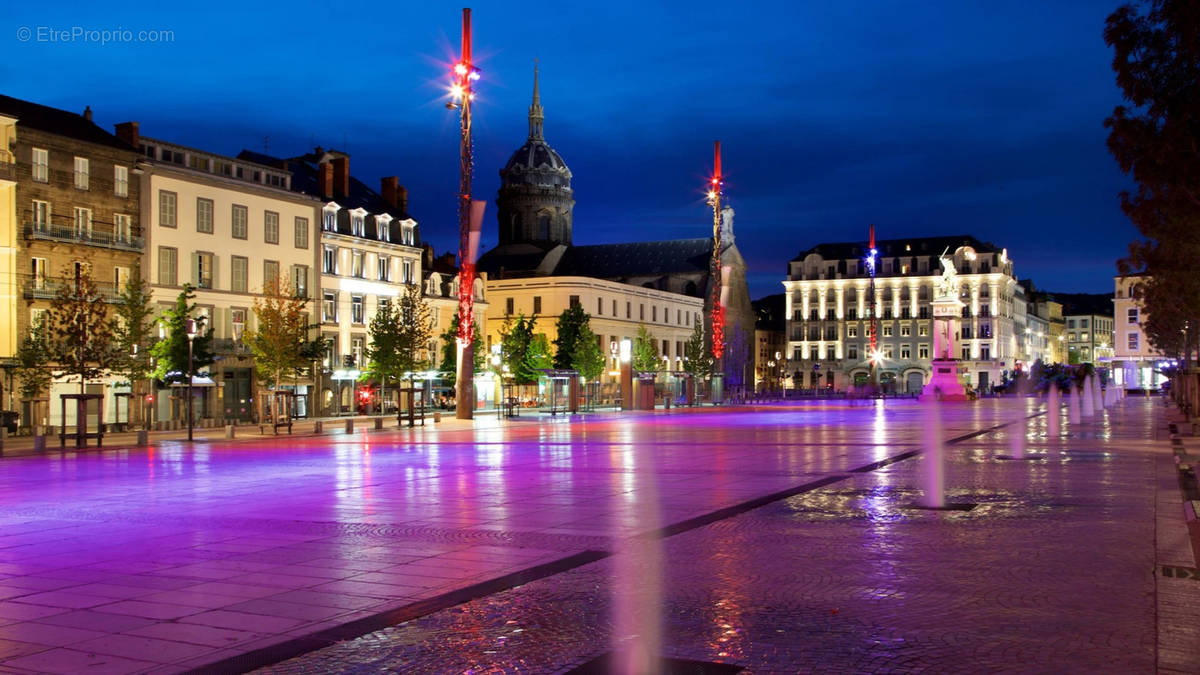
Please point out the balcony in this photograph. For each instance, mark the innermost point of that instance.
(8, 166)
(46, 288)
(100, 234)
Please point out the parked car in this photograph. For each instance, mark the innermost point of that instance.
(9, 418)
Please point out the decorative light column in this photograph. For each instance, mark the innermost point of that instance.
(463, 75)
(192, 331)
(874, 356)
(715, 192)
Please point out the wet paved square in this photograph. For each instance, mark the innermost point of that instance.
(175, 557)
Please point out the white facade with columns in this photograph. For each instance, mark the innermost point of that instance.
(828, 308)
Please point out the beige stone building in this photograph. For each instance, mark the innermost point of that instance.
(1135, 362)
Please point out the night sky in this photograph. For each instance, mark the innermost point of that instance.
(923, 118)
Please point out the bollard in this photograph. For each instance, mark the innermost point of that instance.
(378, 423)
(228, 431)
(437, 416)
(318, 427)
(143, 438)
(39, 443)
(350, 426)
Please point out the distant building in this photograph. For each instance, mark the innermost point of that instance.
(69, 199)
(828, 309)
(537, 268)
(771, 362)
(1135, 360)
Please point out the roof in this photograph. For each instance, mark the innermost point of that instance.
(602, 261)
(890, 247)
(60, 122)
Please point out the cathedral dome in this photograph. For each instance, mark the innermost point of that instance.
(536, 163)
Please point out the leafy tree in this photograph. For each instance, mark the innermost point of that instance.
(537, 358)
(281, 332)
(79, 329)
(697, 357)
(1155, 139)
(587, 357)
(33, 362)
(135, 334)
(171, 352)
(569, 326)
(515, 340)
(449, 361)
(645, 354)
(400, 332)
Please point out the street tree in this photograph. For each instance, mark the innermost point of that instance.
(79, 329)
(1155, 138)
(587, 357)
(515, 340)
(135, 334)
(171, 353)
(448, 365)
(537, 358)
(33, 363)
(280, 334)
(645, 353)
(568, 327)
(697, 357)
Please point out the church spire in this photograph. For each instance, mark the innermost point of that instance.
(535, 109)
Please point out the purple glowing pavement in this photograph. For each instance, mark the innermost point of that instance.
(175, 557)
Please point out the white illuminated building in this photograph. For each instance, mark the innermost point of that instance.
(1135, 361)
(828, 308)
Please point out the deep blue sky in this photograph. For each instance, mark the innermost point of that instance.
(924, 118)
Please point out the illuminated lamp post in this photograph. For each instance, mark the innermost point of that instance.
(874, 355)
(715, 192)
(192, 331)
(470, 219)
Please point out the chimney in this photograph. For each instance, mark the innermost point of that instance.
(325, 179)
(128, 132)
(402, 199)
(87, 113)
(341, 175)
(387, 188)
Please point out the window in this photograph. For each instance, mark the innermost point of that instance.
(356, 350)
(301, 232)
(329, 220)
(508, 306)
(238, 218)
(329, 260)
(573, 301)
(852, 313)
(966, 353)
(830, 353)
(410, 235)
(41, 165)
(237, 319)
(599, 306)
(270, 270)
(922, 312)
(239, 269)
(967, 333)
(203, 266)
(905, 352)
(851, 331)
(628, 310)
(121, 181)
(37, 316)
(385, 268)
(356, 308)
(1070, 323)
(985, 311)
(985, 352)
(923, 330)
(41, 215)
(812, 315)
(1083, 337)
(406, 268)
(614, 307)
(83, 222)
(356, 224)
(852, 352)
(383, 227)
(985, 330)
(830, 314)
(166, 208)
(641, 312)
(271, 227)
(1083, 323)
(654, 314)
(922, 351)
(537, 304)
(120, 278)
(905, 330)
(82, 169)
(168, 266)
(1133, 316)
(887, 331)
(906, 312)
(38, 272)
(204, 215)
(329, 307)
(813, 354)
(300, 280)
(356, 264)
(122, 227)
(1133, 342)
(887, 313)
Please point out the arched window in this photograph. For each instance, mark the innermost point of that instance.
(543, 229)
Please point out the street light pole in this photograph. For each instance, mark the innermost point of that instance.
(191, 336)
(464, 75)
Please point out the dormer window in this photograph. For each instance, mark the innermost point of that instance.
(408, 235)
(383, 227)
(329, 218)
(358, 226)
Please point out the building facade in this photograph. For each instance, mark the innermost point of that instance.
(1089, 338)
(225, 226)
(829, 308)
(69, 200)
(1135, 362)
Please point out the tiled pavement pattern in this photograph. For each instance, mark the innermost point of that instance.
(174, 558)
(1053, 571)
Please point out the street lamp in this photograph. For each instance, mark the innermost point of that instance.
(192, 330)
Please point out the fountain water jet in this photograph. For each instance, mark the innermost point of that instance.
(1097, 392)
(1086, 401)
(1053, 412)
(934, 482)
(1073, 414)
(637, 563)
